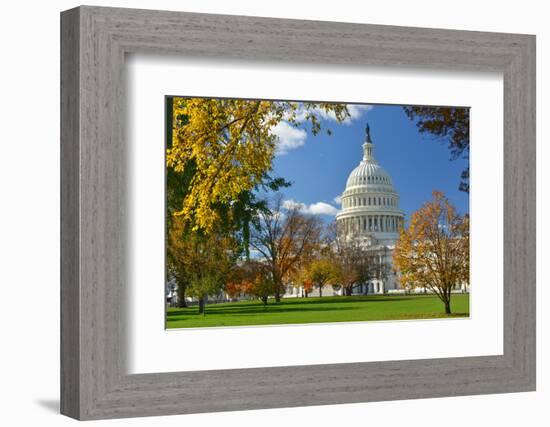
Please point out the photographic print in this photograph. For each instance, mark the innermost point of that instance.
(298, 212)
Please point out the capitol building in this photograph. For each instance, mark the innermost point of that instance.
(370, 204)
(370, 213)
(370, 216)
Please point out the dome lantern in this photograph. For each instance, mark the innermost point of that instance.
(368, 147)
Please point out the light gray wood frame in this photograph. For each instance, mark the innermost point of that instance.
(94, 41)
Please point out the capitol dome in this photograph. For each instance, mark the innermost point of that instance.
(368, 172)
(370, 203)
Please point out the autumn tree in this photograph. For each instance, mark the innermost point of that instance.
(252, 278)
(349, 256)
(262, 286)
(346, 253)
(322, 272)
(433, 251)
(299, 276)
(203, 284)
(360, 258)
(451, 124)
(307, 287)
(176, 268)
(300, 279)
(201, 262)
(222, 149)
(283, 238)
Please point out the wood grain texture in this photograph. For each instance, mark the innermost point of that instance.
(94, 269)
(70, 291)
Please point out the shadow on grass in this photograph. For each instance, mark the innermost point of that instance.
(273, 309)
(302, 305)
(344, 300)
(243, 307)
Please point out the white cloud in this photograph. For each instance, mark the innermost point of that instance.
(319, 208)
(289, 137)
(356, 111)
(338, 200)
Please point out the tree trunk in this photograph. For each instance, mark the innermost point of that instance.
(201, 306)
(320, 291)
(182, 302)
(349, 290)
(279, 289)
(448, 306)
(264, 300)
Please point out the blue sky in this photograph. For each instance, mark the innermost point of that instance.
(318, 166)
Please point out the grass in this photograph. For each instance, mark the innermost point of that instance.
(318, 310)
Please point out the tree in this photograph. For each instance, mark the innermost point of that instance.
(307, 286)
(201, 263)
(283, 238)
(350, 257)
(324, 271)
(434, 251)
(175, 254)
(233, 217)
(361, 258)
(204, 284)
(301, 279)
(222, 149)
(447, 123)
(262, 285)
(252, 278)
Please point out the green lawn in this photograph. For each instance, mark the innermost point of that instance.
(318, 310)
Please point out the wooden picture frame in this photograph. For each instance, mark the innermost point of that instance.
(94, 382)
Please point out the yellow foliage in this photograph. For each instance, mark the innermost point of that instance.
(434, 251)
(231, 145)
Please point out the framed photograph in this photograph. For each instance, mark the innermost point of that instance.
(280, 243)
(262, 213)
